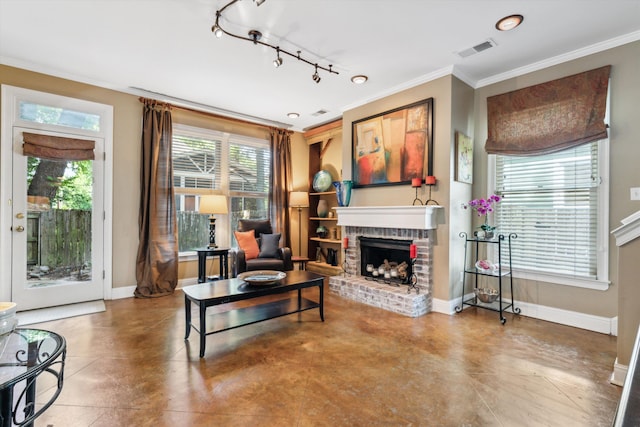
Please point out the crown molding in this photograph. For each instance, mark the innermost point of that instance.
(565, 57)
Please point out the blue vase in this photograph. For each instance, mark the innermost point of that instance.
(343, 192)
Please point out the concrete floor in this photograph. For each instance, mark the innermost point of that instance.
(130, 366)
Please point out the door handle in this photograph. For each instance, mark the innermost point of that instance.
(20, 215)
(20, 228)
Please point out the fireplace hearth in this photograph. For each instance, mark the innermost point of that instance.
(403, 225)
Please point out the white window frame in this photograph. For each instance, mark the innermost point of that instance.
(602, 281)
(223, 231)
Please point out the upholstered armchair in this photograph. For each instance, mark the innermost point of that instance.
(258, 248)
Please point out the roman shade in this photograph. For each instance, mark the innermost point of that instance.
(550, 116)
(57, 148)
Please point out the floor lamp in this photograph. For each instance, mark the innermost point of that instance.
(213, 204)
(299, 199)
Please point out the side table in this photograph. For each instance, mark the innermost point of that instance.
(27, 354)
(302, 261)
(221, 253)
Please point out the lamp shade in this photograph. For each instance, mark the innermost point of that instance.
(213, 204)
(299, 199)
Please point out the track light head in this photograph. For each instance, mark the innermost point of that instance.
(278, 61)
(217, 31)
(315, 76)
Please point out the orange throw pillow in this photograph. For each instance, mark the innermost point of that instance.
(247, 242)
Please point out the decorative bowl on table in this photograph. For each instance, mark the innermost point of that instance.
(8, 322)
(484, 265)
(262, 277)
(486, 294)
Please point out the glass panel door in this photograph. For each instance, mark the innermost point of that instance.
(56, 229)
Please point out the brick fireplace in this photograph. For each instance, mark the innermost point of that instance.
(395, 224)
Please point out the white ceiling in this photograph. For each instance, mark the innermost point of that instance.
(167, 47)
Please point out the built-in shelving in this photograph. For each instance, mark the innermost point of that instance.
(322, 142)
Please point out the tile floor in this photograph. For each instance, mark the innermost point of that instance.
(130, 366)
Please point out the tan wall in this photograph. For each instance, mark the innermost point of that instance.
(126, 159)
(625, 92)
(396, 195)
(300, 171)
(459, 218)
(629, 295)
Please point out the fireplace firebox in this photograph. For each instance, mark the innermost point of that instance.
(386, 260)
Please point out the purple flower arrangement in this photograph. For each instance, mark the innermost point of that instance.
(483, 207)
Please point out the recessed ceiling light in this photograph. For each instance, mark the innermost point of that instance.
(293, 115)
(359, 79)
(509, 22)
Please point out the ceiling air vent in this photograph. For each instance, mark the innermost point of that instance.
(319, 113)
(477, 48)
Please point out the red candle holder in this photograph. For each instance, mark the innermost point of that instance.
(416, 183)
(430, 181)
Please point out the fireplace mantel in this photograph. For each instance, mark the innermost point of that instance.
(409, 217)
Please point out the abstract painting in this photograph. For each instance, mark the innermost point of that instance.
(393, 147)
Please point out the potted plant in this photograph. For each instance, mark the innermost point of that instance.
(484, 207)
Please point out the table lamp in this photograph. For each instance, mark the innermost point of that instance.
(213, 204)
(299, 199)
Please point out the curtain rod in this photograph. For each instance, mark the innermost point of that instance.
(204, 110)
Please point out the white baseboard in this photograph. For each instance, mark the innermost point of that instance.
(123, 292)
(619, 373)
(604, 325)
(60, 312)
(444, 306)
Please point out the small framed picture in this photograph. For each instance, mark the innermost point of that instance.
(464, 158)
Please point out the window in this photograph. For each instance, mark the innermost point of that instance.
(37, 113)
(556, 204)
(212, 162)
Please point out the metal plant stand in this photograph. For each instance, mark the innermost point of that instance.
(474, 243)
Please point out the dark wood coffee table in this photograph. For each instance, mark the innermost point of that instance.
(232, 290)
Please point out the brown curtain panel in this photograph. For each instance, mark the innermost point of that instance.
(57, 148)
(549, 117)
(280, 182)
(157, 259)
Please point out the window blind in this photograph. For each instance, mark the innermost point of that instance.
(551, 202)
(57, 148)
(550, 116)
(249, 167)
(196, 162)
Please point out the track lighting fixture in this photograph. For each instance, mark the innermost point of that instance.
(255, 37)
(278, 61)
(315, 76)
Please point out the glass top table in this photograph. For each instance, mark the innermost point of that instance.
(25, 354)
